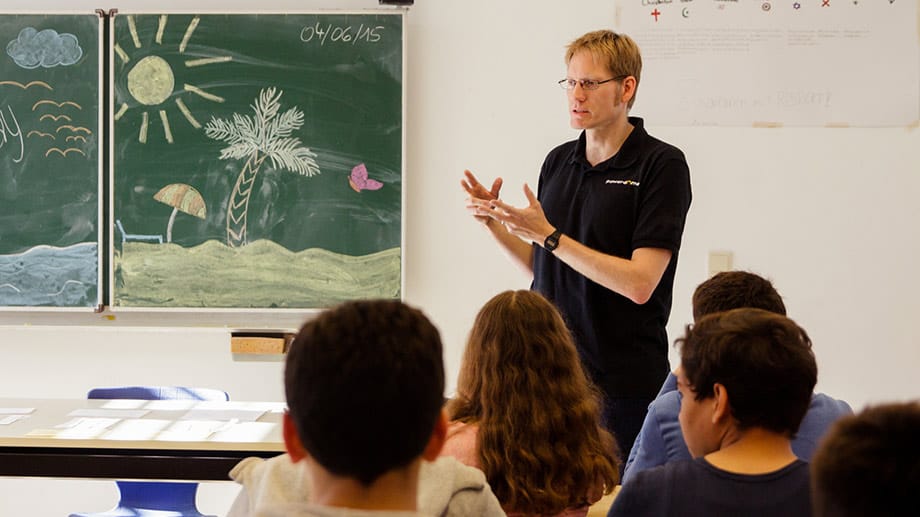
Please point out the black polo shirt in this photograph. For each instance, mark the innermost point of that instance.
(636, 199)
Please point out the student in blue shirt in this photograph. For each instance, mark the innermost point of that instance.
(660, 439)
(746, 378)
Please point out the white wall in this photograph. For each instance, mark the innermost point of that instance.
(829, 214)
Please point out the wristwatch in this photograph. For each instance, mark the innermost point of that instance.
(552, 241)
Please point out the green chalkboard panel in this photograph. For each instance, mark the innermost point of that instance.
(50, 168)
(257, 159)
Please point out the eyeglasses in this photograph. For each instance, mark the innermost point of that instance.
(587, 84)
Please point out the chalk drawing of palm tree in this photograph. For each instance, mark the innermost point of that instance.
(267, 134)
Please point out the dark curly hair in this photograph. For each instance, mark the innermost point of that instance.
(763, 359)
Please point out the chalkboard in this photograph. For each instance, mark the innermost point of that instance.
(257, 159)
(50, 167)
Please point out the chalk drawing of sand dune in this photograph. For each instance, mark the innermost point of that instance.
(64, 152)
(28, 85)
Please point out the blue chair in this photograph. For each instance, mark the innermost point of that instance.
(152, 498)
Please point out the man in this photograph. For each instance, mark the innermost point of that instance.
(869, 464)
(660, 440)
(602, 236)
(364, 384)
(746, 379)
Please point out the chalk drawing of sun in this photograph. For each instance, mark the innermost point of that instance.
(151, 81)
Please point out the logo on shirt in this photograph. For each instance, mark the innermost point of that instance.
(631, 183)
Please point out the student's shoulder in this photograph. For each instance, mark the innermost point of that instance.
(651, 491)
(450, 488)
(661, 476)
(267, 482)
(828, 404)
(253, 470)
(666, 404)
(448, 471)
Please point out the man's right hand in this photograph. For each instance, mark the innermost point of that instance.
(478, 202)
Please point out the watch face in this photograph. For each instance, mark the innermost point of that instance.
(552, 241)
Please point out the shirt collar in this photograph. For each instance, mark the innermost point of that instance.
(625, 157)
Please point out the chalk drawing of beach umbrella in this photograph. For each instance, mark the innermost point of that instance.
(182, 198)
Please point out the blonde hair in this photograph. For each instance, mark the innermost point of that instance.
(618, 51)
(540, 441)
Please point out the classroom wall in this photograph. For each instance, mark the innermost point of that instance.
(829, 214)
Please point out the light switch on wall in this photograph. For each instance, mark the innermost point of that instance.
(719, 261)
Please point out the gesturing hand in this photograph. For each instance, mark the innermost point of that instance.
(528, 223)
(477, 203)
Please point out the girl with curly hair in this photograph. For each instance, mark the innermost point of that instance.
(527, 415)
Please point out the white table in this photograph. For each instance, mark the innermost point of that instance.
(135, 439)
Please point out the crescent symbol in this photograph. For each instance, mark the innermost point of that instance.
(685, 12)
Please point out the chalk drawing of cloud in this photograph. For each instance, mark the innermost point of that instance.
(45, 48)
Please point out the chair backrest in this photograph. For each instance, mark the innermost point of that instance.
(157, 393)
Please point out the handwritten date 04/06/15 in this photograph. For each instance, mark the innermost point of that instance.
(321, 33)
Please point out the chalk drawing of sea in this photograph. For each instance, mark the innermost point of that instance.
(47, 276)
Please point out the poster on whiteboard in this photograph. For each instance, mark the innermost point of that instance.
(776, 62)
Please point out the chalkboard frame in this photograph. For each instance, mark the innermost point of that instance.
(115, 233)
(96, 301)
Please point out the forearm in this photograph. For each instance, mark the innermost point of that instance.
(635, 278)
(518, 251)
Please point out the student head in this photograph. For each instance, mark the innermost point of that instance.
(522, 382)
(618, 52)
(365, 383)
(869, 463)
(735, 289)
(743, 369)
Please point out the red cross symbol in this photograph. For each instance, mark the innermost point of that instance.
(826, 3)
(656, 13)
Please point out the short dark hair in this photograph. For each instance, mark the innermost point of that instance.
(365, 384)
(763, 359)
(869, 464)
(729, 290)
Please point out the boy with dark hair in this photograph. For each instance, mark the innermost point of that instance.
(364, 383)
(746, 379)
(660, 440)
(869, 464)
(729, 290)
